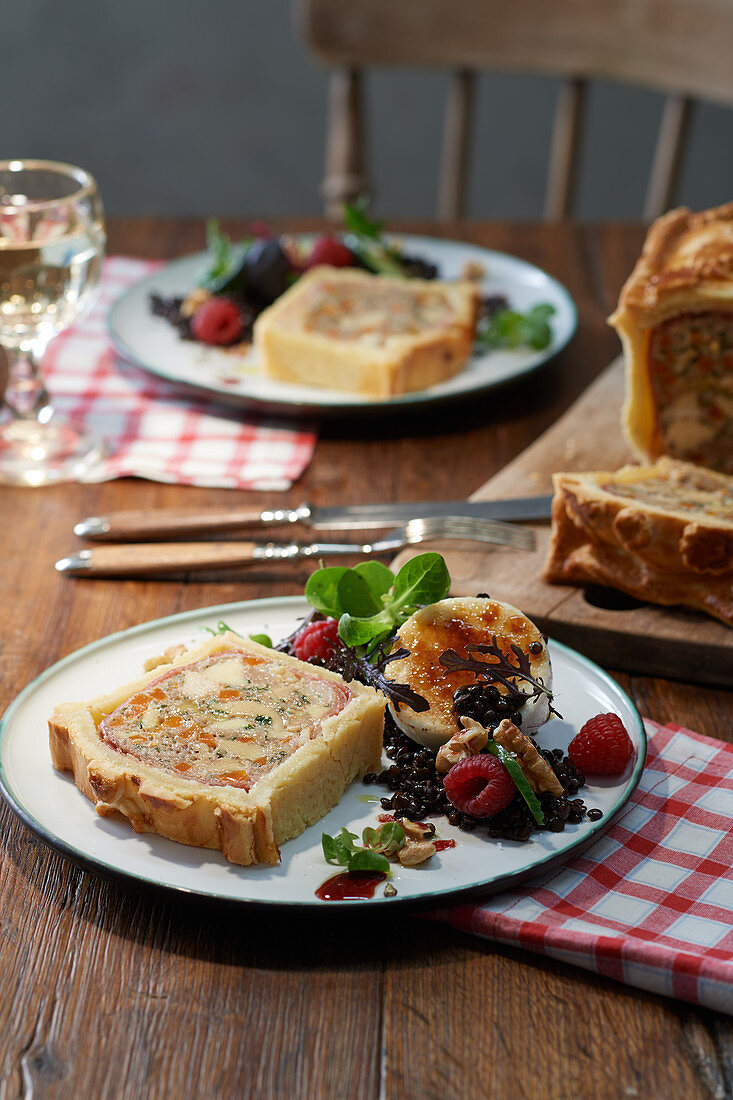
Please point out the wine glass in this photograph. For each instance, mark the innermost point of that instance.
(51, 246)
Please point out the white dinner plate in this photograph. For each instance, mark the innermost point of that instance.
(50, 804)
(153, 344)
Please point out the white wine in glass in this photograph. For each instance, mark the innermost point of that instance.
(51, 247)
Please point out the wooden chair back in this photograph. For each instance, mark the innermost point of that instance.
(679, 47)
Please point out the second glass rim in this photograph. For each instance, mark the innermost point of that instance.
(87, 182)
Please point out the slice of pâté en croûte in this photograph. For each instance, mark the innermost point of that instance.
(229, 745)
(663, 533)
(374, 335)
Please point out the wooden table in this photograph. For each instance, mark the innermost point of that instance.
(108, 993)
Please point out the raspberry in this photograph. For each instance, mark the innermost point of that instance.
(317, 640)
(603, 747)
(217, 321)
(331, 251)
(479, 785)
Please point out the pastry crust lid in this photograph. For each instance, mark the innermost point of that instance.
(686, 263)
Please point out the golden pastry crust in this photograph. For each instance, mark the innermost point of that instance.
(678, 401)
(686, 263)
(369, 334)
(247, 826)
(663, 533)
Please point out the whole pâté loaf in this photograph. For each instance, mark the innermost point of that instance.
(374, 335)
(663, 533)
(675, 320)
(229, 745)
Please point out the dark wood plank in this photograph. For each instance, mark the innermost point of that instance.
(506, 1024)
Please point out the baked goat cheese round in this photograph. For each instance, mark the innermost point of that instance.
(456, 623)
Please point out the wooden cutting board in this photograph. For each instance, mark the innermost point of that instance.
(669, 642)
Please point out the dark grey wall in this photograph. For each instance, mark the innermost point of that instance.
(192, 108)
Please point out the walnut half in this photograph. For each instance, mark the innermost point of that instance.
(537, 771)
(194, 300)
(471, 740)
(418, 847)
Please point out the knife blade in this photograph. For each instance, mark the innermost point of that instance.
(162, 523)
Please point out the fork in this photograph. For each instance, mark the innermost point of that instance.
(134, 558)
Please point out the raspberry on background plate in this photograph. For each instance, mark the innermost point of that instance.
(603, 747)
(330, 250)
(218, 321)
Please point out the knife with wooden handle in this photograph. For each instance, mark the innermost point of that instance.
(169, 523)
(133, 559)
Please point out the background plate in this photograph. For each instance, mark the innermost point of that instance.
(153, 344)
(49, 803)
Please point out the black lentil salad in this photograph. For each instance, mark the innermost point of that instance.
(416, 791)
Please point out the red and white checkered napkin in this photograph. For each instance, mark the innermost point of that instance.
(149, 431)
(651, 903)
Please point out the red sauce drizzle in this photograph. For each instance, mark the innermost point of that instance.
(441, 845)
(350, 886)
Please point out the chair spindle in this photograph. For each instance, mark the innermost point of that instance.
(346, 175)
(457, 131)
(565, 149)
(668, 154)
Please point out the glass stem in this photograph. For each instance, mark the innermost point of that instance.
(25, 393)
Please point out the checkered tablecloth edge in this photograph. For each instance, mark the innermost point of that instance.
(152, 432)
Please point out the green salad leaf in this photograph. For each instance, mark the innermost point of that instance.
(389, 838)
(365, 239)
(222, 628)
(355, 592)
(422, 580)
(509, 329)
(379, 578)
(357, 219)
(370, 602)
(378, 844)
(221, 250)
(321, 590)
(226, 257)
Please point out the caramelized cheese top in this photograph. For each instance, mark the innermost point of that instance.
(427, 636)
